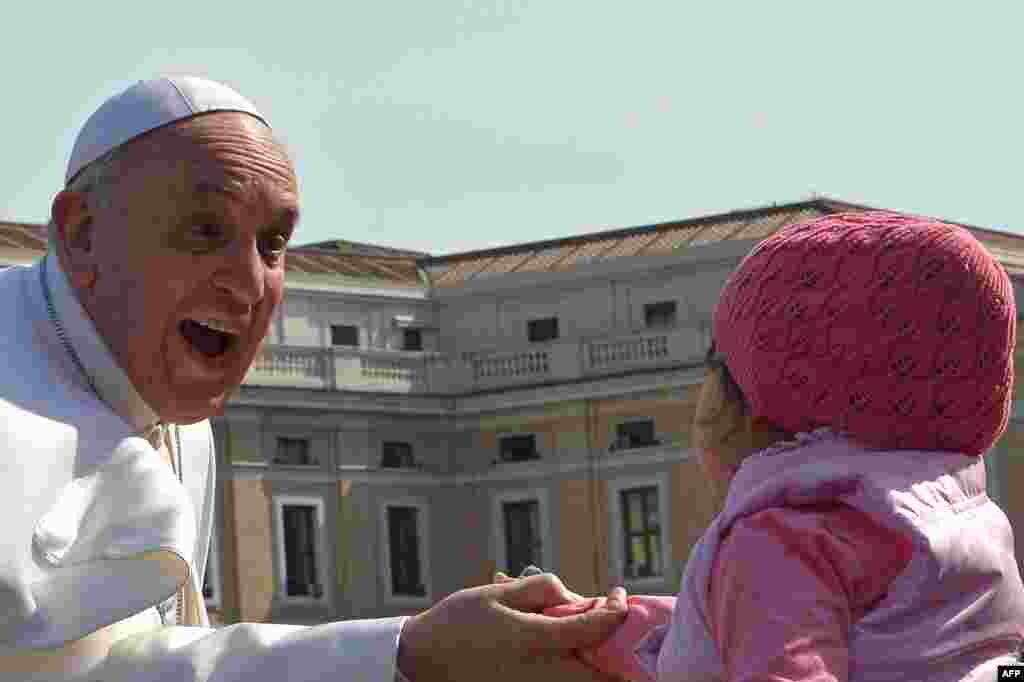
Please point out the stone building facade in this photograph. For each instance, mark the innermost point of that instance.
(415, 423)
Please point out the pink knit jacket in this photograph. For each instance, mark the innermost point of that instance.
(832, 562)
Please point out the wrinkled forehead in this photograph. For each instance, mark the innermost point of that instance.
(223, 152)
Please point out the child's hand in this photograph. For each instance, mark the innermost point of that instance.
(580, 604)
(619, 655)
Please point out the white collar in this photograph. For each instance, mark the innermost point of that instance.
(111, 381)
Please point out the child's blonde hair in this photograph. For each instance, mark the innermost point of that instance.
(723, 423)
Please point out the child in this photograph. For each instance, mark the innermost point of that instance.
(862, 366)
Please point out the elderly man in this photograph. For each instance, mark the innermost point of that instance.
(166, 264)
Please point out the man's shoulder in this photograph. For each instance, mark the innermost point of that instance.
(15, 290)
(61, 425)
(10, 274)
(23, 347)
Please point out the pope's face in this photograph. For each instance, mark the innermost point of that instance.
(187, 258)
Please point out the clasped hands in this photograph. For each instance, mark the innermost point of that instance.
(497, 632)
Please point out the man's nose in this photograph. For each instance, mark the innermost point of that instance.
(243, 272)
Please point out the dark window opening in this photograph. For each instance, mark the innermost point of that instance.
(641, 533)
(412, 339)
(404, 541)
(522, 535)
(544, 329)
(344, 335)
(208, 587)
(635, 434)
(661, 314)
(299, 523)
(397, 455)
(518, 448)
(294, 452)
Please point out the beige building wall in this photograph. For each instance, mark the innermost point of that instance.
(462, 476)
(672, 416)
(1013, 504)
(582, 535)
(228, 611)
(249, 530)
(692, 509)
(356, 552)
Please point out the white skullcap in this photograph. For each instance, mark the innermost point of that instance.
(148, 105)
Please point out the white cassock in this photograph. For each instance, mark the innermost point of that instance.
(98, 534)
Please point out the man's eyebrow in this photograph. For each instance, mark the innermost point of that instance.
(287, 216)
(207, 187)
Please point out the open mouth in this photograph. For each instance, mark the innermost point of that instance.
(207, 337)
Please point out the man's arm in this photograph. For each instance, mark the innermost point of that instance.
(495, 632)
(491, 632)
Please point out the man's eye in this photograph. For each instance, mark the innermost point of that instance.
(274, 245)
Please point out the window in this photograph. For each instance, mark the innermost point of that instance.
(209, 589)
(397, 455)
(344, 335)
(661, 314)
(522, 535)
(404, 551)
(404, 559)
(294, 452)
(412, 339)
(641, 532)
(521, 528)
(635, 434)
(518, 448)
(299, 524)
(544, 329)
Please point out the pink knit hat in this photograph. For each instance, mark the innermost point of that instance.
(898, 330)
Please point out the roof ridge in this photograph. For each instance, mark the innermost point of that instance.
(349, 247)
(618, 233)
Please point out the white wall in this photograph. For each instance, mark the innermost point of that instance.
(299, 328)
(594, 306)
(694, 291)
(308, 317)
(600, 300)
(468, 324)
(585, 311)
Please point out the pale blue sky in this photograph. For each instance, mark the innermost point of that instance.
(450, 125)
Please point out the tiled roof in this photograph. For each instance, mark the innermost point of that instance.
(385, 266)
(664, 238)
(29, 236)
(386, 270)
(364, 263)
(343, 246)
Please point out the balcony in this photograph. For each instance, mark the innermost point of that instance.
(344, 368)
(357, 369)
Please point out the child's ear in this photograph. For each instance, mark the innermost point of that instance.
(762, 425)
(764, 433)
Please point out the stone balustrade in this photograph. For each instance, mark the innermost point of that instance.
(407, 372)
(630, 351)
(289, 366)
(512, 365)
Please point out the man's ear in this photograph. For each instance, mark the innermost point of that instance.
(73, 226)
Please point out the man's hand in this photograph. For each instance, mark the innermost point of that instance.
(495, 633)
